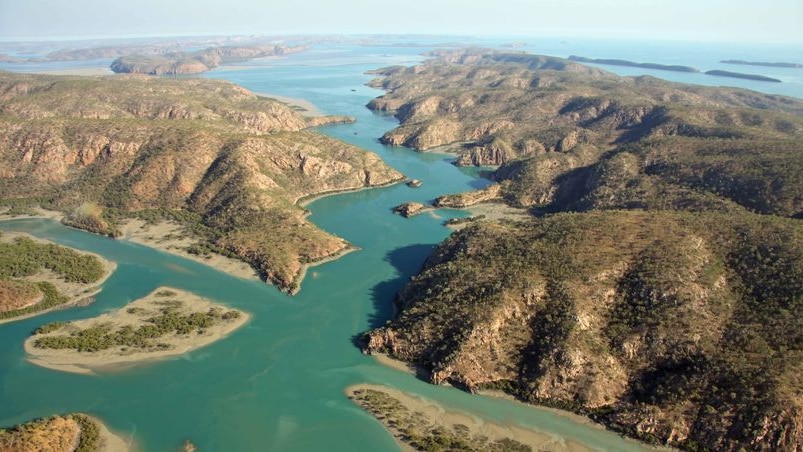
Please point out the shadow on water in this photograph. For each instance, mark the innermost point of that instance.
(407, 261)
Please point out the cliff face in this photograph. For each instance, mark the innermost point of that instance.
(675, 327)
(180, 63)
(228, 164)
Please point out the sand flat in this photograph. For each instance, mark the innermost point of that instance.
(134, 314)
(439, 417)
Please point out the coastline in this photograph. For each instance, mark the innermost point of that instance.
(79, 294)
(304, 269)
(471, 425)
(118, 357)
(164, 236)
(111, 441)
(396, 364)
(308, 109)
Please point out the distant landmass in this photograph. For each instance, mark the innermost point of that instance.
(179, 63)
(759, 63)
(760, 78)
(614, 62)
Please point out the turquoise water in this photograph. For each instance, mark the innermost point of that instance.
(277, 383)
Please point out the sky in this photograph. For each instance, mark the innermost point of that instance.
(687, 20)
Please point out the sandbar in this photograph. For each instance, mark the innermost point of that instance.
(135, 314)
(424, 416)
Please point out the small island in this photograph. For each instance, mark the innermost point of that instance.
(69, 432)
(167, 322)
(419, 424)
(410, 209)
(761, 63)
(614, 62)
(756, 77)
(37, 276)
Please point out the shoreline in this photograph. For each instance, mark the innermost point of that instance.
(121, 357)
(308, 109)
(111, 441)
(302, 272)
(471, 426)
(402, 366)
(80, 294)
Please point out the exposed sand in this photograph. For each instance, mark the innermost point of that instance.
(306, 107)
(439, 416)
(111, 441)
(38, 213)
(78, 293)
(169, 237)
(302, 272)
(120, 357)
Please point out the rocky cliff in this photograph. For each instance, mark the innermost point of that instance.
(227, 164)
(680, 328)
(656, 289)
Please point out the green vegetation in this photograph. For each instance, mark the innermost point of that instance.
(103, 336)
(54, 433)
(420, 433)
(24, 257)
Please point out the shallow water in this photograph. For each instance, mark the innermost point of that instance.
(276, 384)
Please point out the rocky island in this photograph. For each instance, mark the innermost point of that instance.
(656, 289)
(756, 77)
(37, 276)
(217, 163)
(168, 322)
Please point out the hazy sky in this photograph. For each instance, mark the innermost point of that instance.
(717, 20)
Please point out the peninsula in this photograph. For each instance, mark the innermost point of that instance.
(423, 425)
(65, 433)
(217, 163)
(37, 276)
(657, 287)
(168, 322)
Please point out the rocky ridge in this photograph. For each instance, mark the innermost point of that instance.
(656, 290)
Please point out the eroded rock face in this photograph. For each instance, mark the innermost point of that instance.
(234, 163)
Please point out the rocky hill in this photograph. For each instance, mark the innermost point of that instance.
(567, 134)
(180, 63)
(658, 287)
(227, 164)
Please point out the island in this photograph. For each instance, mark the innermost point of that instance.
(756, 77)
(410, 209)
(37, 276)
(652, 279)
(206, 163)
(167, 322)
(755, 63)
(65, 433)
(423, 425)
(615, 62)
